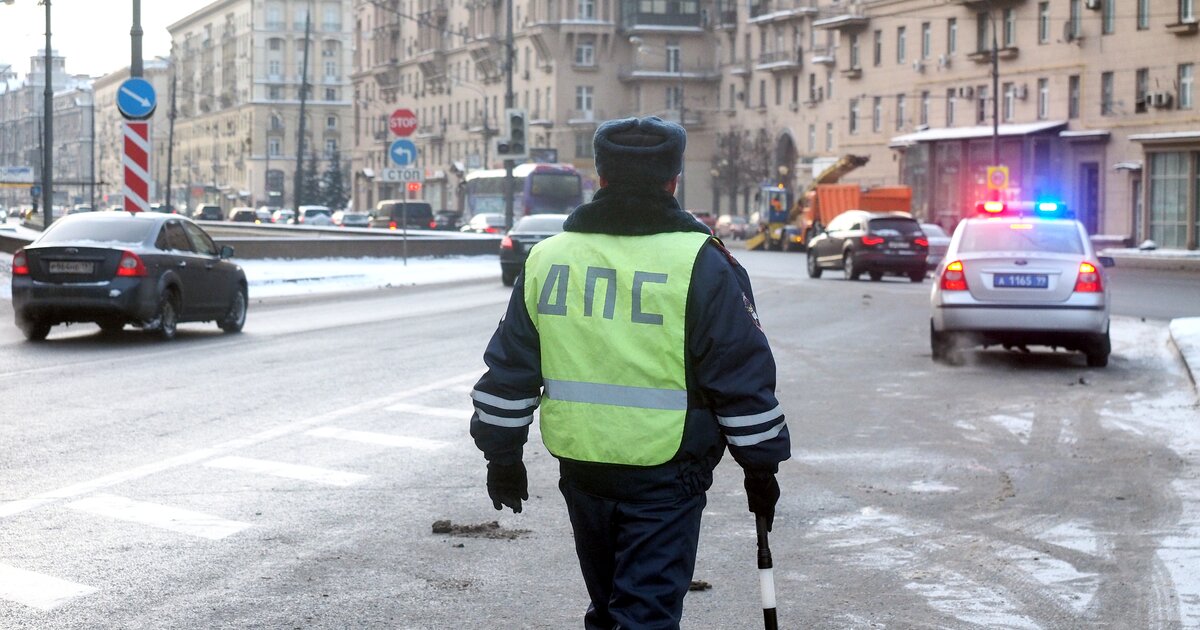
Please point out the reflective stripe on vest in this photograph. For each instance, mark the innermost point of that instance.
(610, 314)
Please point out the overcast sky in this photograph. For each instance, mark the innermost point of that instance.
(93, 35)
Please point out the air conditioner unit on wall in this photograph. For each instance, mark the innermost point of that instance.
(1160, 99)
(919, 66)
(794, 106)
(1069, 32)
(944, 61)
(1022, 92)
(1094, 5)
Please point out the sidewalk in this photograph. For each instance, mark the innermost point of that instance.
(1161, 259)
(1185, 333)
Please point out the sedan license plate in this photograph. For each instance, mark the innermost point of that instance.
(71, 266)
(898, 244)
(1020, 281)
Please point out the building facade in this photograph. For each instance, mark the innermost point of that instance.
(110, 134)
(22, 114)
(1096, 103)
(239, 66)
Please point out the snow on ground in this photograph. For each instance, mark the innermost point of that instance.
(1186, 333)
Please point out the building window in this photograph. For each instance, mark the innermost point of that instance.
(732, 96)
(331, 70)
(877, 114)
(1187, 10)
(332, 19)
(583, 146)
(926, 40)
(331, 94)
(1169, 198)
(828, 136)
(1073, 96)
(925, 108)
(585, 54)
(274, 147)
(274, 17)
(1076, 9)
(901, 43)
(762, 93)
(951, 36)
(1187, 85)
(586, 10)
(274, 93)
(274, 69)
(1043, 106)
(673, 59)
(1141, 85)
(981, 104)
(276, 123)
(331, 147)
(981, 32)
(1010, 101)
(1010, 28)
(951, 97)
(1043, 22)
(583, 98)
(300, 18)
(778, 91)
(878, 51)
(854, 51)
(1108, 17)
(854, 115)
(901, 111)
(674, 98)
(812, 138)
(1106, 93)
(1143, 14)
(331, 122)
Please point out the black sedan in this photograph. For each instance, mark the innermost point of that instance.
(150, 270)
(528, 231)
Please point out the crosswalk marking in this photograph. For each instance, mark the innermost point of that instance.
(38, 590)
(290, 471)
(161, 516)
(463, 414)
(380, 439)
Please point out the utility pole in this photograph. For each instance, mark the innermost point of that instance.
(995, 91)
(509, 102)
(135, 40)
(297, 194)
(171, 136)
(48, 132)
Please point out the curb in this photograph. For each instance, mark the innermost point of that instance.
(1185, 334)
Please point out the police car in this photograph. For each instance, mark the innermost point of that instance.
(1020, 274)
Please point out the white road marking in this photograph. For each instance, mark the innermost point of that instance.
(38, 590)
(463, 414)
(289, 471)
(161, 516)
(379, 439)
(10, 508)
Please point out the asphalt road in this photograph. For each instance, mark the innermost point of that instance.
(290, 476)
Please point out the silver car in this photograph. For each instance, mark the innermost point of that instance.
(1015, 281)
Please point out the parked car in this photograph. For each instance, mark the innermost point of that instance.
(243, 215)
(147, 269)
(162, 208)
(346, 218)
(484, 223)
(938, 240)
(875, 243)
(394, 214)
(79, 207)
(284, 217)
(263, 214)
(447, 220)
(731, 227)
(1017, 277)
(527, 232)
(3, 214)
(208, 213)
(705, 217)
(314, 215)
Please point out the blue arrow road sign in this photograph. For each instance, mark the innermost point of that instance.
(135, 99)
(35, 191)
(403, 152)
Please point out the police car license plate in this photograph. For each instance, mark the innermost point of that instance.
(1020, 281)
(70, 266)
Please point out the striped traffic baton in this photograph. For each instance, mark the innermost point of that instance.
(766, 575)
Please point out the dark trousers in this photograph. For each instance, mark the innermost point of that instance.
(637, 558)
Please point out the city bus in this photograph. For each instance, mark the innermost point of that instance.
(538, 189)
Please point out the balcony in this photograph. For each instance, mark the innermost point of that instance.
(740, 68)
(726, 19)
(697, 72)
(635, 21)
(690, 118)
(843, 22)
(768, 11)
(780, 61)
(824, 55)
(1186, 26)
(432, 64)
(432, 133)
(852, 73)
(584, 117)
(985, 55)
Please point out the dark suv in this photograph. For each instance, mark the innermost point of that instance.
(875, 243)
(208, 213)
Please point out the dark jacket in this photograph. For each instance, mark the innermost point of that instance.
(730, 369)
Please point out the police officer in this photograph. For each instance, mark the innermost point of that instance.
(635, 332)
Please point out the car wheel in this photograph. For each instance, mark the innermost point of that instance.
(167, 319)
(848, 266)
(814, 268)
(508, 276)
(917, 276)
(35, 329)
(1098, 351)
(235, 316)
(876, 276)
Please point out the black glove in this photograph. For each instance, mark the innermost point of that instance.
(508, 485)
(762, 492)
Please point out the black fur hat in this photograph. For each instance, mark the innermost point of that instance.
(639, 150)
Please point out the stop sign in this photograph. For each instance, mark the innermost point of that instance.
(403, 122)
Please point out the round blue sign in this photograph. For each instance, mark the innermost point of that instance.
(35, 191)
(136, 99)
(403, 152)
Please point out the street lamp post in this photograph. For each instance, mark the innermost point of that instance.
(48, 131)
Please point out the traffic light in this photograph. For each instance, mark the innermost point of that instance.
(514, 146)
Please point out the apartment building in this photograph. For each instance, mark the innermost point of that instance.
(576, 63)
(110, 137)
(22, 115)
(239, 65)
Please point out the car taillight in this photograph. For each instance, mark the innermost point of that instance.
(1088, 280)
(506, 243)
(392, 225)
(433, 225)
(131, 266)
(872, 241)
(491, 230)
(20, 265)
(953, 278)
(923, 242)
